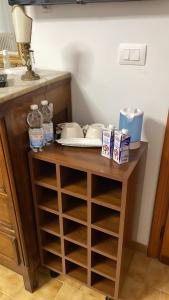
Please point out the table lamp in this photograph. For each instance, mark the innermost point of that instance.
(23, 31)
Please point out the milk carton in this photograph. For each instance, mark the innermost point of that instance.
(121, 146)
(107, 141)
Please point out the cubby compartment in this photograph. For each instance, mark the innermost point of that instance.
(103, 266)
(49, 222)
(106, 191)
(105, 244)
(52, 262)
(73, 180)
(45, 173)
(105, 219)
(51, 243)
(74, 208)
(76, 271)
(103, 285)
(47, 199)
(76, 253)
(75, 232)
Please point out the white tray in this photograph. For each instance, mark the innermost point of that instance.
(80, 142)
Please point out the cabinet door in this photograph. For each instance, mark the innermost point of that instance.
(2, 181)
(9, 248)
(4, 190)
(9, 237)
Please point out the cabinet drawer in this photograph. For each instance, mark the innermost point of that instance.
(9, 248)
(4, 209)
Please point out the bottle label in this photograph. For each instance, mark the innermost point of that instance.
(36, 137)
(48, 131)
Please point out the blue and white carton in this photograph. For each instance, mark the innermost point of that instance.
(108, 141)
(121, 146)
(132, 120)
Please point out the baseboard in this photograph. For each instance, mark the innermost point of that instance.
(139, 247)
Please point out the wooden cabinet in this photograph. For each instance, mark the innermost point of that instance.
(17, 221)
(9, 247)
(85, 206)
(9, 251)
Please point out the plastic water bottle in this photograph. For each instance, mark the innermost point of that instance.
(6, 61)
(35, 120)
(47, 113)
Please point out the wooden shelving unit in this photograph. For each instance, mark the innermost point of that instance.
(84, 207)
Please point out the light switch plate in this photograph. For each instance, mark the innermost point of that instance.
(132, 54)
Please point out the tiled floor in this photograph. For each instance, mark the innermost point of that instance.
(148, 279)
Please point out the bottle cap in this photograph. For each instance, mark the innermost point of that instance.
(5, 52)
(44, 102)
(34, 106)
(125, 131)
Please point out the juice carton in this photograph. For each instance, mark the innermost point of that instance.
(121, 146)
(107, 142)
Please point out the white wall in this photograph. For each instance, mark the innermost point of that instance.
(85, 40)
(5, 17)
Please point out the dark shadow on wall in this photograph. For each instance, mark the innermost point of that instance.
(152, 131)
(82, 113)
(79, 59)
(126, 9)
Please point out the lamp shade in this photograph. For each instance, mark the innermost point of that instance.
(22, 25)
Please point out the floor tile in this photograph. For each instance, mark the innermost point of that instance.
(139, 266)
(164, 296)
(10, 283)
(157, 276)
(69, 281)
(48, 291)
(83, 296)
(67, 292)
(132, 289)
(4, 297)
(150, 294)
(4, 271)
(71, 293)
(92, 293)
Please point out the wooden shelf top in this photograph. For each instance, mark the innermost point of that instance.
(88, 159)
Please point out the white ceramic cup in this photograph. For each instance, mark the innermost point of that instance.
(94, 131)
(72, 130)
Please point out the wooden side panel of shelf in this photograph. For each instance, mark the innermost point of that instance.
(131, 200)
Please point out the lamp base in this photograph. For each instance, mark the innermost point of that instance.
(30, 75)
(27, 60)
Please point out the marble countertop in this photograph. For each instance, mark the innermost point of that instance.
(16, 87)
